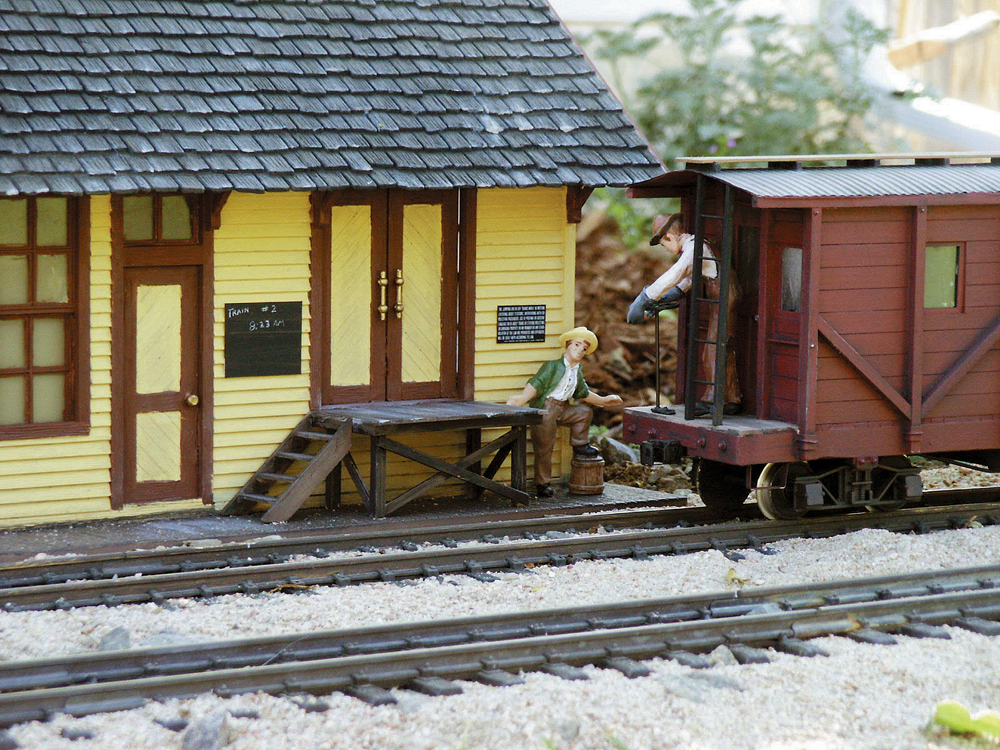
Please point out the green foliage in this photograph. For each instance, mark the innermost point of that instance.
(633, 217)
(788, 90)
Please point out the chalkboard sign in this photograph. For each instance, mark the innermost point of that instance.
(263, 338)
(520, 323)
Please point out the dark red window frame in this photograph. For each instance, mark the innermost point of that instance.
(76, 314)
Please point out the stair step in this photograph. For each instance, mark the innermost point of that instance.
(311, 435)
(296, 456)
(272, 477)
(270, 500)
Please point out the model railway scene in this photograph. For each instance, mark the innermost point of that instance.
(374, 375)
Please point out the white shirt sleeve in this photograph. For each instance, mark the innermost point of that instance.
(679, 274)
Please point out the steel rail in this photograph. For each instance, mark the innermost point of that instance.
(133, 663)
(478, 560)
(269, 550)
(253, 549)
(244, 551)
(614, 647)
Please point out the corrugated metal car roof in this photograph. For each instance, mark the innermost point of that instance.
(864, 182)
(845, 182)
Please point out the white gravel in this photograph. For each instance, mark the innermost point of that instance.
(859, 697)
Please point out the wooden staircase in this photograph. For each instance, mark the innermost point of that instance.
(303, 460)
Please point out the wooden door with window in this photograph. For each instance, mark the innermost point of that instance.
(161, 383)
(390, 279)
(161, 391)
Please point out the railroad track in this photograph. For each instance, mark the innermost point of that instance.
(250, 551)
(479, 560)
(247, 550)
(433, 657)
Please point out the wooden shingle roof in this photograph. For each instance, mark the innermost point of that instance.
(104, 96)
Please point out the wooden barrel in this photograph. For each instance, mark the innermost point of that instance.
(586, 476)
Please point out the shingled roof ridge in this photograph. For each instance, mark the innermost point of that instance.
(294, 94)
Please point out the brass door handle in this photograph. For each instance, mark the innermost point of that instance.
(398, 307)
(192, 399)
(383, 282)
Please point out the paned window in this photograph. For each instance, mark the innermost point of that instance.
(791, 279)
(942, 268)
(39, 311)
(160, 219)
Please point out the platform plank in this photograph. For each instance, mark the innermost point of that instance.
(387, 417)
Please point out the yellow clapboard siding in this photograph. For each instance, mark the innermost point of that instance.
(522, 255)
(510, 359)
(270, 411)
(95, 494)
(266, 390)
(252, 435)
(526, 255)
(539, 275)
(91, 510)
(269, 272)
(489, 297)
(91, 469)
(278, 234)
(64, 477)
(489, 270)
(261, 254)
(275, 256)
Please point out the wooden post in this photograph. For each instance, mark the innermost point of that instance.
(378, 477)
(473, 442)
(519, 460)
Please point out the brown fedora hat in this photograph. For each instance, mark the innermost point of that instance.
(661, 225)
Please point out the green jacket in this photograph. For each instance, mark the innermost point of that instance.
(548, 377)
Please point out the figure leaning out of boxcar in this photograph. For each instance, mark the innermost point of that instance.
(671, 287)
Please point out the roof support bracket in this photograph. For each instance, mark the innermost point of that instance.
(576, 196)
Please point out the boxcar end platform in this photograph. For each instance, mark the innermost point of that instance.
(740, 440)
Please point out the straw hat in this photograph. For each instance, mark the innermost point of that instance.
(581, 332)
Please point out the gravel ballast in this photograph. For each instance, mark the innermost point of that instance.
(860, 696)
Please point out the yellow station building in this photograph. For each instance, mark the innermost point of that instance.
(217, 217)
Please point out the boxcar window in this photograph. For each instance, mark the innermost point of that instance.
(39, 261)
(791, 279)
(941, 269)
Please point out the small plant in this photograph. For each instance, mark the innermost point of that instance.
(741, 87)
(747, 87)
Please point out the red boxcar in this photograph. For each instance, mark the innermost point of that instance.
(867, 332)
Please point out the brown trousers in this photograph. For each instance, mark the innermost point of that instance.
(543, 435)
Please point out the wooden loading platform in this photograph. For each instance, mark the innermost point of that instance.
(321, 444)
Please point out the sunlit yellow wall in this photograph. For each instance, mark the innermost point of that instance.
(53, 479)
(69, 478)
(525, 255)
(261, 255)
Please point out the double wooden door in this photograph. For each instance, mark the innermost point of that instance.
(391, 278)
